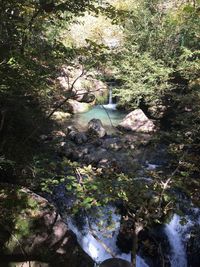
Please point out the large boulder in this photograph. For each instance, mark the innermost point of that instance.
(95, 127)
(137, 121)
(73, 106)
(85, 84)
(32, 230)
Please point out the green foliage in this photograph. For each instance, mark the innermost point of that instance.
(145, 202)
(159, 62)
(32, 51)
(143, 78)
(160, 42)
(100, 100)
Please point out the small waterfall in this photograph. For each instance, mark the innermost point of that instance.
(99, 238)
(178, 234)
(174, 232)
(110, 104)
(97, 232)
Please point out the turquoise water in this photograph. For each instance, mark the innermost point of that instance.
(109, 117)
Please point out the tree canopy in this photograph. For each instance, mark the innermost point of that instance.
(149, 50)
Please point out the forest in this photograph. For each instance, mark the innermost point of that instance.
(99, 133)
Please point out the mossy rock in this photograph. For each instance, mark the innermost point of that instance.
(31, 229)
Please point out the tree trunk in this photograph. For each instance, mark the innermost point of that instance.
(134, 248)
(137, 228)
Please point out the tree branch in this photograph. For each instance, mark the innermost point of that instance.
(29, 27)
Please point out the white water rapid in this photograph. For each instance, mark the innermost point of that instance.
(174, 231)
(98, 237)
(178, 233)
(97, 232)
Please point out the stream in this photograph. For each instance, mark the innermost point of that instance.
(103, 112)
(98, 238)
(97, 232)
(178, 233)
(107, 113)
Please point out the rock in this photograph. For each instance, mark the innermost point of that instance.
(85, 84)
(74, 106)
(61, 116)
(67, 150)
(97, 142)
(113, 143)
(71, 151)
(62, 146)
(95, 127)
(104, 164)
(58, 136)
(71, 128)
(33, 230)
(88, 98)
(137, 121)
(114, 262)
(96, 156)
(76, 136)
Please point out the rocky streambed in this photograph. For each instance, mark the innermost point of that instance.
(47, 235)
(128, 152)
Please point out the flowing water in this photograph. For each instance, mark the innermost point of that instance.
(98, 236)
(178, 233)
(98, 230)
(108, 114)
(98, 233)
(174, 230)
(110, 104)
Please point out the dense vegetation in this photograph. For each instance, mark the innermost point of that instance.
(155, 65)
(159, 67)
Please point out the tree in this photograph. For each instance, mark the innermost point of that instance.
(155, 42)
(32, 52)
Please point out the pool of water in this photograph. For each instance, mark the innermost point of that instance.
(110, 117)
